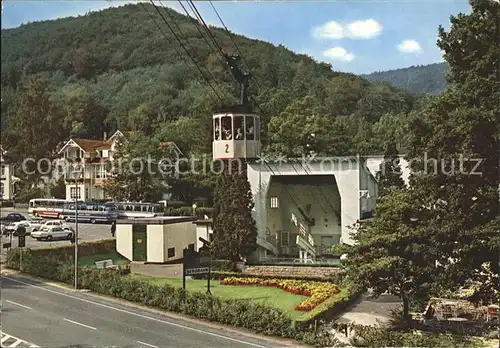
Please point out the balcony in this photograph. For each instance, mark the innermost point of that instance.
(99, 181)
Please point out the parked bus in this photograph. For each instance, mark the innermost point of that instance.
(132, 210)
(90, 212)
(46, 207)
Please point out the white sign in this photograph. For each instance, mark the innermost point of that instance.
(202, 270)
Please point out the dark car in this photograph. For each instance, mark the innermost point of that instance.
(13, 217)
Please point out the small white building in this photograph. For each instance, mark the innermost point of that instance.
(155, 240)
(6, 178)
(204, 229)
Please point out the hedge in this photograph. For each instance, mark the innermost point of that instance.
(188, 211)
(332, 307)
(220, 275)
(6, 204)
(67, 252)
(328, 265)
(244, 314)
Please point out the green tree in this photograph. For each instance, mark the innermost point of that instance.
(85, 114)
(235, 231)
(392, 254)
(460, 130)
(139, 169)
(391, 171)
(58, 189)
(36, 130)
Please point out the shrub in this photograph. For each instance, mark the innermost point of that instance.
(188, 211)
(220, 275)
(223, 265)
(84, 249)
(6, 204)
(245, 314)
(367, 336)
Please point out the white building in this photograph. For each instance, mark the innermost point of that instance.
(304, 207)
(6, 178)
(155, 240)
(94, 156)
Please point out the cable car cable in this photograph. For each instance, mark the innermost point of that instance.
(233, 41)
(210, 45)
(207, 29)
(182, 35)
(166, 36)
(182, 45)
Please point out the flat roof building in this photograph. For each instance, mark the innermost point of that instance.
(155, 240)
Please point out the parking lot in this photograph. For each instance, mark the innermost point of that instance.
(86, 233)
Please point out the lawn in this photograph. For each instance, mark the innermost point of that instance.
(270, 296)
(89, 261)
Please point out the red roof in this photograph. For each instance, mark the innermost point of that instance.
(92, 145)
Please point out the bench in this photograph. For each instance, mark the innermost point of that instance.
(105, 264)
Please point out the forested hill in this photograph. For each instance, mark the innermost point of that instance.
(117, 69)
(417, 79)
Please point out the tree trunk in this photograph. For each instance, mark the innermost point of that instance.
(406, 309)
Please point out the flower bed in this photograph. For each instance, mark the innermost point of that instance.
(317, 292)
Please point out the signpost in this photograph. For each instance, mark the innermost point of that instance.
(21, 243)
(197, 262)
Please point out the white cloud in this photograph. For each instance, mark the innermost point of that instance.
(409, 46)
(362, 29)
(329, 30)
(338, 53)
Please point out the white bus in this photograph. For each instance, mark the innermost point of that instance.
(139, 210)
(46, 207)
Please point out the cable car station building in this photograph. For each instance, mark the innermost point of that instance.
(302, 206)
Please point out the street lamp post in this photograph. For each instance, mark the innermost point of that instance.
(76, 175)
(194, 209)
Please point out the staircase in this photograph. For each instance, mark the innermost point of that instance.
(306, 241)
(267, 245)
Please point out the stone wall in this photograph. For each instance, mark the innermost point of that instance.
(290, 270)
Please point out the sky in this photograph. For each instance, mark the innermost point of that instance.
(354, 36)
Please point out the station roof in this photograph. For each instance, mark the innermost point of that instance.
(240, 109)
(158, 220)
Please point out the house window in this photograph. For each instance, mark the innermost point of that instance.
(100, 171)
(274, 202)
(74, 193)
(2, 173)
(285, 238)
(171, 252)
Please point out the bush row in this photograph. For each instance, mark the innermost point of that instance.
(367, 336)
(220, 275)
(188, 211)
(67, 252)
(224, 266)
(6, 204)
(329, 265)
(244, 314)
(331, 307)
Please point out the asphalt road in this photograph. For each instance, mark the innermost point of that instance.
(49, 316)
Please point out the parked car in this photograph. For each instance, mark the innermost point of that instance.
(50, 223)
(13, 217)
(52, 233)
(12, 227)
